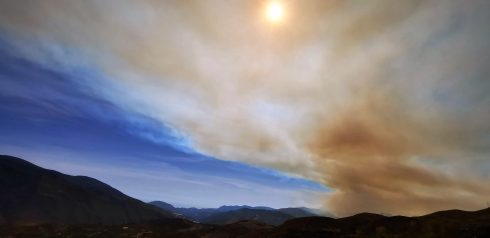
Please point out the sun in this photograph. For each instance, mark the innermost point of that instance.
(274, 11)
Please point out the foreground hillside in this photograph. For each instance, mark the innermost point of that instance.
(453, 223)
(33, 195)
(36, 202)
(446, 224)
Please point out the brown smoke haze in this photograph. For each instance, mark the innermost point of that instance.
(377, 155)
(385, 102)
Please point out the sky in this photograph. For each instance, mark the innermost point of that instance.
(53, 122)
(351, 105)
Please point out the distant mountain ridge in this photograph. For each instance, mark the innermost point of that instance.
(270, 217)
(230, 214)
(34, 195)
(227, 208)
(36, 202)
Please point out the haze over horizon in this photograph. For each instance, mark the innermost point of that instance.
(353, 106)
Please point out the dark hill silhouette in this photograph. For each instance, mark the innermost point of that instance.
(270, 217)
(36, 202)
(443, 224)
(164, 205)
(34, 195)
(452, 223)
(296, 212)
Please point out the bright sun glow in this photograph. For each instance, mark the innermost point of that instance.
(275, 11)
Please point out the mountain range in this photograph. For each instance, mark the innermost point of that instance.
(231, 214)
(37, 202)
(444, 224)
